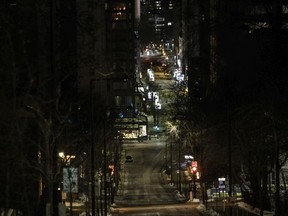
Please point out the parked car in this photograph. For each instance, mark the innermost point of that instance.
(129, 158)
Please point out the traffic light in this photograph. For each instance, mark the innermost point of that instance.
(194, 169)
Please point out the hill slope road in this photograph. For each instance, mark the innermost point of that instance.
(144, 191)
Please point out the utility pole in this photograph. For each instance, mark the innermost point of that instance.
(229, 148)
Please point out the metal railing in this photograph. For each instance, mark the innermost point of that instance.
(225, 209)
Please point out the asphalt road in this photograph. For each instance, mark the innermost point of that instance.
(144, 190)
(165, 210)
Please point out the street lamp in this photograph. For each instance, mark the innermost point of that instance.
(105, 162)
(92, 150)
(171, 159)
(173, 132)
(179, 167)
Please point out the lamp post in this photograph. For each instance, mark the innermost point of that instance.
(171, 159)
(92, 150)
(179, 167)
(105, 162)
(166, 154)
(229, 148)
(172, 132)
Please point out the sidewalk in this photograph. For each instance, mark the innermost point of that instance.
(172, 188)
(78, 207)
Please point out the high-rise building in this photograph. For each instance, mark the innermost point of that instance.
(204, 36)
(161, 16)
(122, 51)
(112, 74)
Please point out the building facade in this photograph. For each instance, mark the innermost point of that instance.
(112, 74)
(161, 16)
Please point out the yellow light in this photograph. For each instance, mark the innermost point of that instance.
(61, 154)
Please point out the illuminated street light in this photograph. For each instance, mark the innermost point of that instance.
(61, 155)
(188, 157)
(173, 133)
